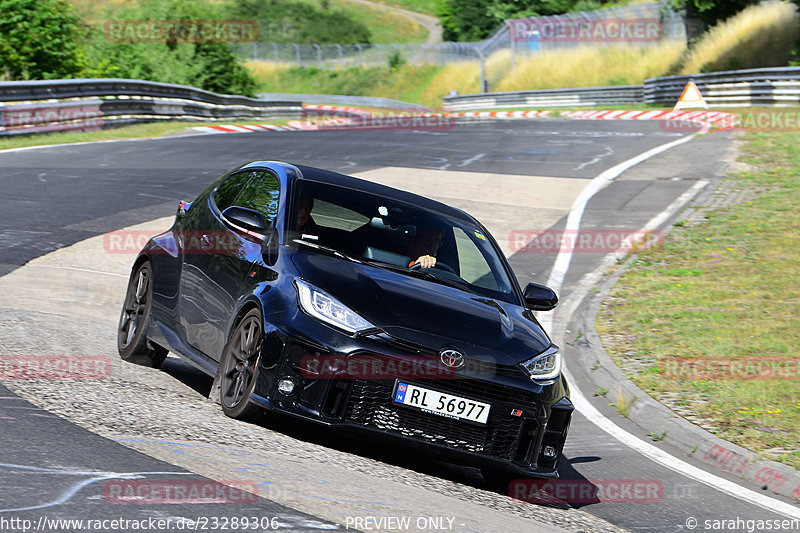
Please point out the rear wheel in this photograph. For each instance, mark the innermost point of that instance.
(132, 342)
(238, 368)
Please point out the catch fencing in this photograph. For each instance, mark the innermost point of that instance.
(641, 24)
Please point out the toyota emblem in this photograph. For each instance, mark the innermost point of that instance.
(452, 358)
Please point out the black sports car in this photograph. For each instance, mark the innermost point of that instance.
(353, 304)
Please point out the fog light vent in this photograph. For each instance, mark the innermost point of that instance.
(286, 387)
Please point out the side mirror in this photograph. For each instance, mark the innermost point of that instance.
(539, 297)
(247, 219)
(183, 206)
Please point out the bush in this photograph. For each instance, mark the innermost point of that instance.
(39, 39)
(283, 21)
(210, 66)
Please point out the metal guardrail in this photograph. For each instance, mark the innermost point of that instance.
(735, 88)
(90, 104)
(591, 96)
(345, 100)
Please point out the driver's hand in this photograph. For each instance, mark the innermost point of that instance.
(426, 261)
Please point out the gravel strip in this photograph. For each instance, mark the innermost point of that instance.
(141, 404)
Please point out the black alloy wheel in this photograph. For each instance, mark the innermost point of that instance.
(238, 368)
(132, 342)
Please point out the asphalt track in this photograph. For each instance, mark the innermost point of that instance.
(57, 196)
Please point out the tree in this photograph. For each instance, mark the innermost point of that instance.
(39, 39)
(211, 66)
(701, 13)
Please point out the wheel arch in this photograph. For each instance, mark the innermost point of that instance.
(248, 305)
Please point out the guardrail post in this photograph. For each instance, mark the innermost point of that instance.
(297, 49)
(360, 55)
(275, 48)
(513, 44)
(319, 56)
(484, 86)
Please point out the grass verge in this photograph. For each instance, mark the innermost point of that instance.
(695, 322)
(136, 131)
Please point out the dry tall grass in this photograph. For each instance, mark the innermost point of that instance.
(262, 70)
(464, 77)
(592, 66)
(759, 36)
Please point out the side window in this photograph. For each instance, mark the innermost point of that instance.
(335, 216)
(261, 193)
(472, 265)
(228, 189)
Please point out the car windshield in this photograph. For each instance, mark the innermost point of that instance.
(394, 235)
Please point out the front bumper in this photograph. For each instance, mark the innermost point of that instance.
(524, 433)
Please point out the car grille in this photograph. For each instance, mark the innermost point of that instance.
(371, 404)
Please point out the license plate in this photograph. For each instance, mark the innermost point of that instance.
(441, 403)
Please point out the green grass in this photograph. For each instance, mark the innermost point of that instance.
(428, 7)
(384, 25)
(726, 290)
(409, 83)
(137, 131)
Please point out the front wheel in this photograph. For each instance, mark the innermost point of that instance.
(132, 343)
(238, 368)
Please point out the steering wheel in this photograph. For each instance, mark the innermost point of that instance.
(439, 265)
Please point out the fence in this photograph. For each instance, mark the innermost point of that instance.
(57, 105)
(522, 36)
(737, 88)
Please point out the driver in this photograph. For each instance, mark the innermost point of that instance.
(425, 245)
(306, 224)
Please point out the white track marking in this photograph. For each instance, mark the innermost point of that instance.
(564, 257)
(673, 463)
(591, 279)
(580, 401)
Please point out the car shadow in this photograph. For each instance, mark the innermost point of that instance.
(188, 374)
(538, 492)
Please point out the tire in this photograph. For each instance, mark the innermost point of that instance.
(132, 342)
(238, 368)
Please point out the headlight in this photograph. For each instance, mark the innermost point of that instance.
(328, 309)
(545, 367)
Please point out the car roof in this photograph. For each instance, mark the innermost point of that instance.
(350, 182)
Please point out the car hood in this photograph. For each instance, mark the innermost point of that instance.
(425, 313)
